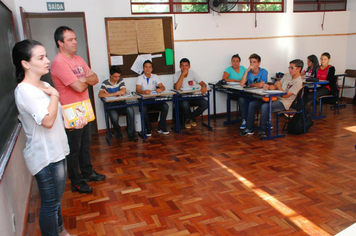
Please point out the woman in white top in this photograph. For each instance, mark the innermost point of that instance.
(47, 145)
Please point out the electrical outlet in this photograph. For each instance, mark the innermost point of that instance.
(13, 223)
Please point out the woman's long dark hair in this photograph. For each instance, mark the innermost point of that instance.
(315, 61)
(22, 51)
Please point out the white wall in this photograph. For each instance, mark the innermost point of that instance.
(210, 58)
(351, 48)
(15, 183)
(14, 190)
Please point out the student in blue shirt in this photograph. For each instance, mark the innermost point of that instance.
(290, 83)
(254, 76)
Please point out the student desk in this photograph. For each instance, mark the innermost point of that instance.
(189, 95)
(151, 99)
(110, 103)
(315, 85)
(221, 89)
(216, 88)
(260, 94)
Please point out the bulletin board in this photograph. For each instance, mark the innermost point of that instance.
(128, 37)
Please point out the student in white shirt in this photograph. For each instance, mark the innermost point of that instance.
(183, 80)
(146, 84)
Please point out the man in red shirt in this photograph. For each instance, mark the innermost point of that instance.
(71, 77)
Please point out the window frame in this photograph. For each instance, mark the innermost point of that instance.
(171, 5)
(320, 3)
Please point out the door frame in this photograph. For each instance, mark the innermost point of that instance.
(25, 16)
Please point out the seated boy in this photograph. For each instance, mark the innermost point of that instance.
(290, 83)
(254, 76)
(185, 79)
(146, 83)
(115, 86)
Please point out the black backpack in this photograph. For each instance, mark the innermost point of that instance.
(221, 82)
(295, 125)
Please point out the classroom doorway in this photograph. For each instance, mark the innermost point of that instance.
(41, 27)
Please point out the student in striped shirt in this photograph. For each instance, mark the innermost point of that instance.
(115, 86)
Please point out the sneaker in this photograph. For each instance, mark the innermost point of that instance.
(187, 124)
(163, 131)
(149, 133)
(271, 126)
(289, 115)
(133, 137)
(262, 134)
(118, 135)
(245, 132)
(94, 177)
(81, 187)
(193, 122)
(243, 125)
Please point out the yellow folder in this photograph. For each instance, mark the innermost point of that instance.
(74, 111)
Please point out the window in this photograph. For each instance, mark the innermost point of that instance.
(169, 6)
(319, 5)
(260, 6)
(202, 6)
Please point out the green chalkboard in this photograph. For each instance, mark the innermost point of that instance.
(9, 124)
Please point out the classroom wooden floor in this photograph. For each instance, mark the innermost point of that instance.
(218, 183)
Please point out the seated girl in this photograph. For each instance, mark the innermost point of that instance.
(313, 65)
(234, 72)
(325, 72)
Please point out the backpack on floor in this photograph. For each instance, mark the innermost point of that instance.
(295, 125)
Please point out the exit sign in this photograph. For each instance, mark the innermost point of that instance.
(55, 6)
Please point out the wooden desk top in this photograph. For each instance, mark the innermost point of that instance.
(153, 95)
(122, 98)
(189, 91)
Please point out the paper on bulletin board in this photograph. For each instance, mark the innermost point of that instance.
(156, 56)
(117, 60)
(122, 37)
(138, 64)
(150, 36)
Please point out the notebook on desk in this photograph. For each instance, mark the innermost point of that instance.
(273, 91)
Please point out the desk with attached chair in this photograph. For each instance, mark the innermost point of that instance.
(314, 86)
(127, 100)
(265, 95)
(152, 99)
(222, 89)
(190, 95)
